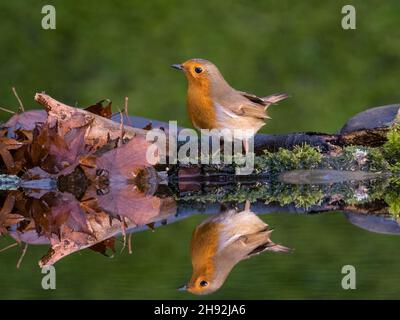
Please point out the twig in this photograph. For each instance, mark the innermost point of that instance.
(7, 110)
(123, 229)
(121, 128)
(21, 106)
(130, 243)
(126, 111)
(22, 255)
(9, 247)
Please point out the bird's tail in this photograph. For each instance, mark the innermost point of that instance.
(274, 98)
(261, 242)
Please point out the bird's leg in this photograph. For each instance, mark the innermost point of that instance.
(247, 205)
(221, 144)
(246, 145)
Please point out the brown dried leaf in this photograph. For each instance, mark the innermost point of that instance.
(7, 218)
(25, 121)
(7, 157)
(125, 160)
(102, 246)
(99, 109)
(24, 135)
(55, 211)
(6, 146)
(148, 126)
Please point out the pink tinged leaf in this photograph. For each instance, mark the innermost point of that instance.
(25, 121)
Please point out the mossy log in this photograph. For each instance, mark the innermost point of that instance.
(368, 128)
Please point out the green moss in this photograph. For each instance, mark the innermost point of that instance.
(394, 204)
(301, 157)
(392, 197)
(395, 168)
(236, 193)
(301, 196)
(391, 149)
(377, 161)
(380, 159)
(306, 157)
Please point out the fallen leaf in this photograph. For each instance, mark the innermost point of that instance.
(99, 109)
(6, 146)
(102, 246)
(7, 218)
(25, 121)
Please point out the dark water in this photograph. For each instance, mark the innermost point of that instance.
(160, 263)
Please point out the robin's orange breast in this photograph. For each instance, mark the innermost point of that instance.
(200, 107)
(204, 246)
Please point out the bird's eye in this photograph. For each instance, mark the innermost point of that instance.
(198, 70)
(203, 283)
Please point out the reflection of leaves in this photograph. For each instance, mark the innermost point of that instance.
(129, 175)
(39, 212)
(7, 218)
(128, 202)
(65, 211)
(102, 246)
(55, 211)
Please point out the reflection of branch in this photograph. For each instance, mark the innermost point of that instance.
(22, 255)
(102, 228)
(9, 247)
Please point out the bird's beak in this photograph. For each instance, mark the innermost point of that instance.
(183, 288)
(177, 66)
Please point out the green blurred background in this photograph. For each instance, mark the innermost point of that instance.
(113, 49)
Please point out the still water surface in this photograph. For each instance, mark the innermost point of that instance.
(160, 262)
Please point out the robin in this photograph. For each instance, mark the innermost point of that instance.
(220, 242)
(213, 104)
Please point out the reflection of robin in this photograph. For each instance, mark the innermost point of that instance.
(213, 104)
(220, 242)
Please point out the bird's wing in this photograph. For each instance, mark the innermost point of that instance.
(265, 101)
(245, 108)
(252, 97)
(239, 103)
